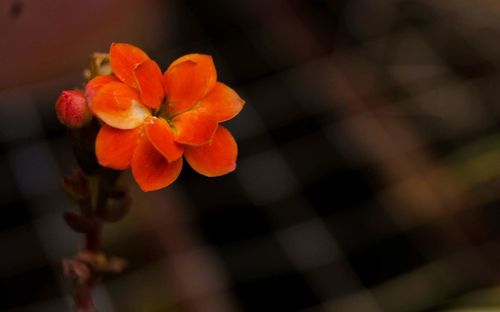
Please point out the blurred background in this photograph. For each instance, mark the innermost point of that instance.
(369, 157)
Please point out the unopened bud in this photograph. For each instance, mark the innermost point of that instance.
(72, 109)
(77, 185)
(80, 223)
(117, 206)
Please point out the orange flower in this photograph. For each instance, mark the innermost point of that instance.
(150, 120)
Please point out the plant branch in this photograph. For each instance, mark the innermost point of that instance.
(86, 267)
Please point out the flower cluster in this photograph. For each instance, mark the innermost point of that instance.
(151, 120)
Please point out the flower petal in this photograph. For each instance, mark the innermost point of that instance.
(114, 147)
(124, 58)
(149, 82)
(222, 102)
(187, 80)
(118, 106)
(95, 84)
(150, 169)
(194, 127)
(161, 136)
(216, 158)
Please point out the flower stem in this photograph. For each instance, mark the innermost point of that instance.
(83, 300)
(82, 293)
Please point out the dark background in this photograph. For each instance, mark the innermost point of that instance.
(369, 157)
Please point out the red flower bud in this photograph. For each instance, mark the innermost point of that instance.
(72, 109)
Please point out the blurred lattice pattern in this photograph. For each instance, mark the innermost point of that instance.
(368, 174)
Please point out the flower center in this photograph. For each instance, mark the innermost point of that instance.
(162, 112)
